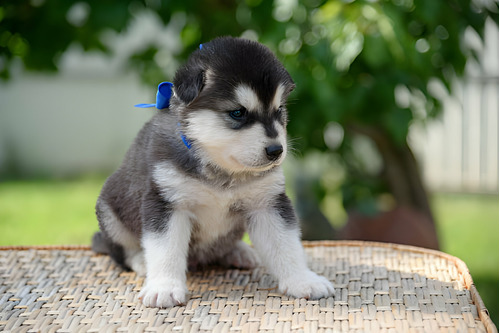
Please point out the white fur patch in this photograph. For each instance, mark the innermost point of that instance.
(209, 78)
(278, 97)
(247, 98)
(233, 150)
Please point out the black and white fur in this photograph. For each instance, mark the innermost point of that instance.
(169, 206)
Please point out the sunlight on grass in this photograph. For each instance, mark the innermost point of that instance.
(48, 212)
(468, 229)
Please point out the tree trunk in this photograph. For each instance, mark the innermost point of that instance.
(402, 176)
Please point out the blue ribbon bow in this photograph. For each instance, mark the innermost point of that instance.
(162, 97)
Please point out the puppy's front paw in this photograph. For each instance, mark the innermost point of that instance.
(307, 285)
(163, 294)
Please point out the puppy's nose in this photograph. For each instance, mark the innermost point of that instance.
(274, 152)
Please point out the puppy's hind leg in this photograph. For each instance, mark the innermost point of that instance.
(241, 256)
(101, 243)
(117, 241)
(130, 259)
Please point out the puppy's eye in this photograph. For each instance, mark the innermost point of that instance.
(239, 115)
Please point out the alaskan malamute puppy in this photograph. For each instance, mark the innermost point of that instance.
(205, 170)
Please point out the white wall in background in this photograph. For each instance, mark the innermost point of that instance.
(60, 125)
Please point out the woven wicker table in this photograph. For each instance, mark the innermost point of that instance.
(379, 287)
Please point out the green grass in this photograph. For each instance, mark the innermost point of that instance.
(48, 212)
(62, 212)
(468, 229)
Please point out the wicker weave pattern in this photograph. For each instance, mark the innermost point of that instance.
(379, 288)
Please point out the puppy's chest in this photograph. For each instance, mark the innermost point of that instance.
(215, 214)
(215, 211)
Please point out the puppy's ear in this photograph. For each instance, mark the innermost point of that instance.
(189, 83)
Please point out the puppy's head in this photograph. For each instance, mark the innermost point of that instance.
(233, 94)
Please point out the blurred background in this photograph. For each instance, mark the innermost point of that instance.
(393, 124)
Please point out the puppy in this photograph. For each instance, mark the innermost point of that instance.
(202, 172)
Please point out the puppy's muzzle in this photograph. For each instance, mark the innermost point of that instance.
(274, 152)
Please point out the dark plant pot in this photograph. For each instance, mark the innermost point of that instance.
(403, 225)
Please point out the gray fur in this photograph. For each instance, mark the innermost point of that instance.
(284, 207)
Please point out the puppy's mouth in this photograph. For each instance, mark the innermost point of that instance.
(257, 167)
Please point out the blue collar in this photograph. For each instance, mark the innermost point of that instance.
(185, 140)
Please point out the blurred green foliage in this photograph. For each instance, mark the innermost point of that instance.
(350, 60)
